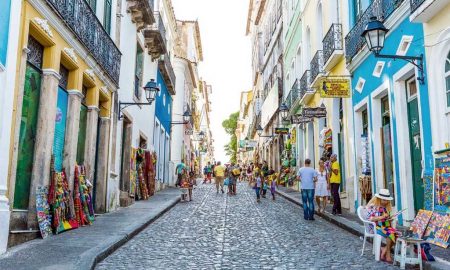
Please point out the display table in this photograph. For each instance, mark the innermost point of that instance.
(401, 254)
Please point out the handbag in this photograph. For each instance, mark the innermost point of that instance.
(226, 182)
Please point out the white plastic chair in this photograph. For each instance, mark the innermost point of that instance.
(370, 232)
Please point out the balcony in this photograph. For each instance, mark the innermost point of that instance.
(83, 22)
(141, 13)
(166, 69)
(293, 95)
(306, 92)
(155, 38)
(423, 10)
(332, 46)
(380, 8)
(316, 67)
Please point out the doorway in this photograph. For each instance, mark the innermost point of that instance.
(386, 144)
(415, 143)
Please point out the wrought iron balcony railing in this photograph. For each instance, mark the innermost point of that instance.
(415, 4)
(165, 66)
(155, 38)
(332, 41)
(293, 94)
(317, 65)
(379, 8)
(305, 83)
(83, 22)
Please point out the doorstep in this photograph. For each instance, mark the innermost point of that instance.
(351, 223)
(83, 248)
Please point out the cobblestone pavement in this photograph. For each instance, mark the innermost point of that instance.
(216, 231)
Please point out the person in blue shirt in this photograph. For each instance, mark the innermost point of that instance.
(308, 177)
(179, 172)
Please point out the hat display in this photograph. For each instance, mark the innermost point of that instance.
(384, 194)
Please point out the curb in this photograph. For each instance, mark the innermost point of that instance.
(437, 265)
(108, 251)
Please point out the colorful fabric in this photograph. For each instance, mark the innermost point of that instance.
(383, 227)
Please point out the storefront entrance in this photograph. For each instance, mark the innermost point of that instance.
(28, 124)
(415, 143)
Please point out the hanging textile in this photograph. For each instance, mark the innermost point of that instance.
(60, 202)
(133, 173)
(84, 209)
(142, 193)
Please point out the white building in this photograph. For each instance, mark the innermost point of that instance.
(188, 54)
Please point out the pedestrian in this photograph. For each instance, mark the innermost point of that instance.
(307, 176)
(258, 184)
(335, 182)
(250, 172)
(219, 172)
(179, 172)
(273, 185)
(322, 186)
(235, 173)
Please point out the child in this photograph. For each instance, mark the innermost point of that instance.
(258, 183)
(273, 185)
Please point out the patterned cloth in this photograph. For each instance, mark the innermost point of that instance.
(383, 227)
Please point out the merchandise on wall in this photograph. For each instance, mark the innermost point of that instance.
(83, 203)
(365, 155)
(442, 182)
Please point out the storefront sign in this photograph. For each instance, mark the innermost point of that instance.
(252, 144)
(189, 132)
(335, 88)
(300, 119)
(282, 131)
(318, 112)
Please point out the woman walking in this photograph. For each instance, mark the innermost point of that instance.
(322, 186)
(258, 184)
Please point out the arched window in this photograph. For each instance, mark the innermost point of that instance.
(447, 79)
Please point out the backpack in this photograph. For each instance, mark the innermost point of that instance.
(236, 171)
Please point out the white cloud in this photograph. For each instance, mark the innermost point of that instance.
(227, 56)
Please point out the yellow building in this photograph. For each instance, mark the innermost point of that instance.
(67, 73)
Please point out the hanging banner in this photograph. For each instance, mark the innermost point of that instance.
(252, 144)
(335, 88)
(318, 112)
(300, 119)
(282, 131)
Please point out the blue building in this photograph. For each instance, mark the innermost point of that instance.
(161, 135)
(5, 7)
(392, 128)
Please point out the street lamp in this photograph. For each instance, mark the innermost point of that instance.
(150, 89)
(186, 118)
(375, 35)
(201, 135)
(259, 130)
(284, 110)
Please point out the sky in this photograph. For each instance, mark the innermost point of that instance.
(227, 57)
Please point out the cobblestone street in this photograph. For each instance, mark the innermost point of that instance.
(216, 231)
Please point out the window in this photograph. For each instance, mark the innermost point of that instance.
(107, 17)
(138, 71)
(385, 111)
(365, 122)
(92, 4)
(360, 6)
(447, 79)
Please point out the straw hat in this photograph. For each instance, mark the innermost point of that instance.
(384, 194)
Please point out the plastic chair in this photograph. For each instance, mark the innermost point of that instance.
(369, 232)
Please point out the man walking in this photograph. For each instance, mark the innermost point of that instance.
(179, 172)
(335, 181)
(307, 176)
(219, 172)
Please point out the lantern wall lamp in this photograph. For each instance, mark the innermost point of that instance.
(186, 118)
(375, 35)
(259, 130)
(150, 89)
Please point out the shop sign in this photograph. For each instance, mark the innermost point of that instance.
(252, 144)
(282, 131)
(335, 88)
(318, 112)
(189, 132)
(300, 119)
